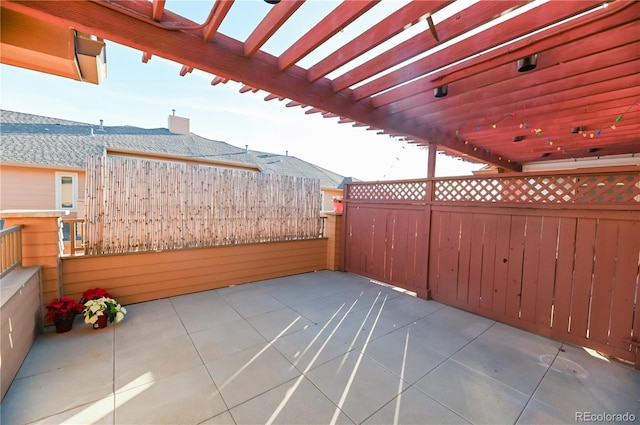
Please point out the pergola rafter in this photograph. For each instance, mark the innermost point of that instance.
(585, 75)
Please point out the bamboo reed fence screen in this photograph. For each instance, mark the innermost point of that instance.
(136, 205)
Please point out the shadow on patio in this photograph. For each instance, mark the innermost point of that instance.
(324, 347)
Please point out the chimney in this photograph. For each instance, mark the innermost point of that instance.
(101, 128)
(286, 153)
(178, 125)
(246, 148)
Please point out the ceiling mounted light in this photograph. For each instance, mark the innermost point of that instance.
(578, 130)
(272, 1)
(440, 91)
(528, 63)
(517, 139)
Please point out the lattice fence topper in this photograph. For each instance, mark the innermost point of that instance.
(596, 189)
(612, 188)
(389, 191)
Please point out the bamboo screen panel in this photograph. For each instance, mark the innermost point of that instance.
(136, 205)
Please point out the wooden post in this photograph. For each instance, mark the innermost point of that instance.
(333, 230)
(41, 245)
(431, 173)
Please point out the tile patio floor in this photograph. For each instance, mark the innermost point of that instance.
(316, 348)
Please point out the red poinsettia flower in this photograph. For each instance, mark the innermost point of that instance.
(63, 308)
(94, 294)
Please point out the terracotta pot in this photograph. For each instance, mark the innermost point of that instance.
(101, 323)
(337, 206)
(63, 325)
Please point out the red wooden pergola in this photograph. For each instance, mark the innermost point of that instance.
(581, 99)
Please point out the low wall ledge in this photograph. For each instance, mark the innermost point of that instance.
(33, 213)
(14, 281)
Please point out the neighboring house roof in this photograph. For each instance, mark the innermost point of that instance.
(44, 141)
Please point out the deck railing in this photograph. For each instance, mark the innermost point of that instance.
(11, 249)
(76, 235)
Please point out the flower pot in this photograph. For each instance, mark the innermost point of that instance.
(63, 325)
(337, 206)
(101, 322)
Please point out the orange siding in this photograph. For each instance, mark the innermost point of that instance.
(333, 231)
(40, 236)
(133, 278)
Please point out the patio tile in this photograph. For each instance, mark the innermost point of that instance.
(311, 347)
(52, 351)
(322, 309)
(148, 322)
(223, 418)
(45, 394)
(356, 384)
(142, 364)
(252, 302)
(278, 323)
(472, 395)
(579, 382)
(97, 412)
(248, 373)
(540, 413)
(222, 340)
(509, 355)
(301, 292)
(403, 354)
(363, 326)
(203, 310)
(294, 402)
(186, 397)
(414, 407)
(417, 306)
(449, 329)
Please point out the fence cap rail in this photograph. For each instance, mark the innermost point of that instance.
(33, 213)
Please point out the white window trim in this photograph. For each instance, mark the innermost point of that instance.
(74, 180)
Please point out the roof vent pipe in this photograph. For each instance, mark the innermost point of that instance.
(246, 148)
(101, 126)
(286, 153)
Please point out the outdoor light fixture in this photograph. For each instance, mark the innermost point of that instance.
(576, 130)
(440, 91)
(517, 139)
(272, 1)
(528, 63)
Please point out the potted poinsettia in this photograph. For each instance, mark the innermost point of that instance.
(62, 311)
(100, 311)
(94, 294)
(337, 203)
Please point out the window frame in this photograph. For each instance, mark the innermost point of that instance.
(74, 181)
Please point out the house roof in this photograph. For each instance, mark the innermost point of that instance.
(351, 63)
(51, 142)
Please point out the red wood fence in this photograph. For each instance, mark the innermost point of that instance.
(556, 255)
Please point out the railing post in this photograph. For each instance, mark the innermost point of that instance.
(333, 231)
(41, 245)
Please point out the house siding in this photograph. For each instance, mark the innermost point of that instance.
(34, 188)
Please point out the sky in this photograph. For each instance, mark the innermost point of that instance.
(143, 95)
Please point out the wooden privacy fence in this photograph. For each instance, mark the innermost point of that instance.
(138, 205)
(557, 255)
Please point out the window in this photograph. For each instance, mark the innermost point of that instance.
(66, 191)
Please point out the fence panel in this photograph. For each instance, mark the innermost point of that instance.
(136, 205)
(555, 254)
